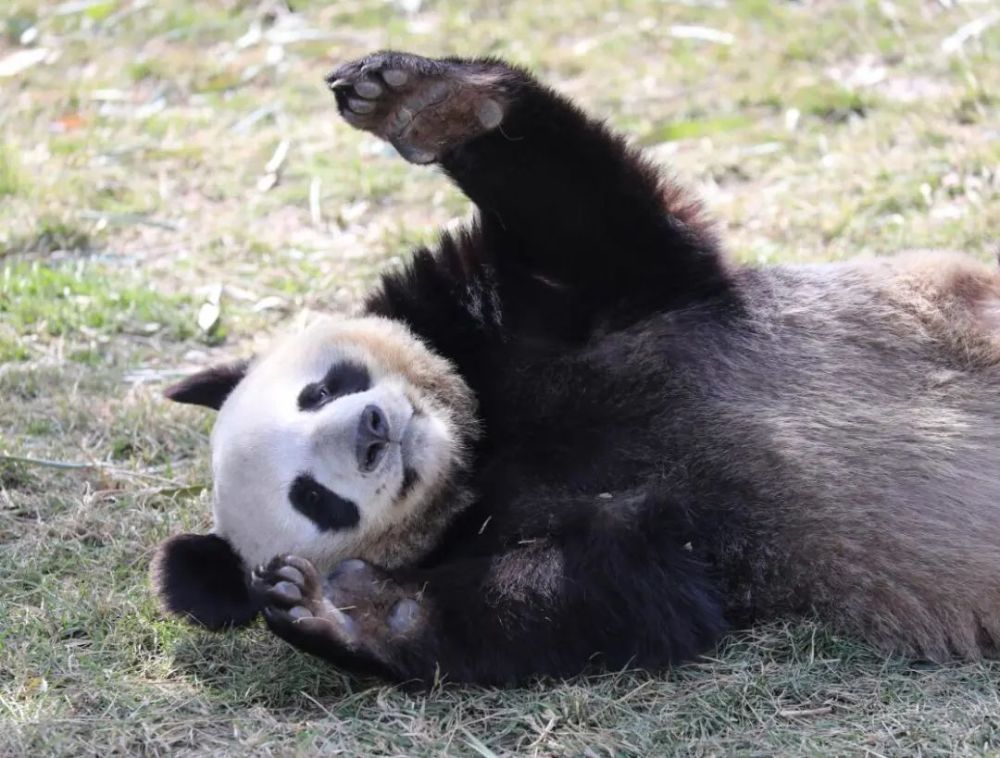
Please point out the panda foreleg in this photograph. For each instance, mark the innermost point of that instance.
(544, 608)
(345, 618)
(560, 196)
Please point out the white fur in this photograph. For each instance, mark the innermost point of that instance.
(262, 442)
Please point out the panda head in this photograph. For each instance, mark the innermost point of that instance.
(348, 439)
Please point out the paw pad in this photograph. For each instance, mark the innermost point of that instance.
(422, 107)
(358, 608)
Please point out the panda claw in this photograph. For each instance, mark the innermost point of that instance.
(286, 581)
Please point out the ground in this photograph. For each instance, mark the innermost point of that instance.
(175, 187)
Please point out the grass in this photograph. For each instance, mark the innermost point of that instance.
(11, 181)
(133, 186)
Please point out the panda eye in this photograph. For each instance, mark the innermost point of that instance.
(342, 379)
(325, 508)
(314, 397)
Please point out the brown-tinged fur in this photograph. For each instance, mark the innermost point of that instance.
(432, 385)
(532, 575)
(957, 300)
(431, 110)
(877, 386)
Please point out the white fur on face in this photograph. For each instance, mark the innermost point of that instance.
(263, 442)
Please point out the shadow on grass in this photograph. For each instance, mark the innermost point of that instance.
(257, 667)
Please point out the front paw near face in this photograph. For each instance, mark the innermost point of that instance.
(357, 617)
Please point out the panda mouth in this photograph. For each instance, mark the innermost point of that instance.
(410, 479)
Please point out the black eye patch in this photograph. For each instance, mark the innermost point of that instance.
(325, 508)
(342, 379)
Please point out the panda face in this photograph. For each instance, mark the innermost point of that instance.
(340, 437)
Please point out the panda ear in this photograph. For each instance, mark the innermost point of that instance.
(200, 577)
(210, 387)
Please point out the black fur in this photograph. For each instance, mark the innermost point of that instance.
(201, 577)
(561, 305)
(627, 592)
(342, 379)
(325, 508)
(210, 387)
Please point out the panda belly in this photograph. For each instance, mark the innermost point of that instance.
(870, 438)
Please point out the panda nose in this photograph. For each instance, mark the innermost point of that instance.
(372, 438)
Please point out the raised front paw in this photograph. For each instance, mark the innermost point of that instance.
(421, 106)
(357, 617)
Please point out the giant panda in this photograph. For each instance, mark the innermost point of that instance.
(574, 434)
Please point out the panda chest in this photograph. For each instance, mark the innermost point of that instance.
(590, 429)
